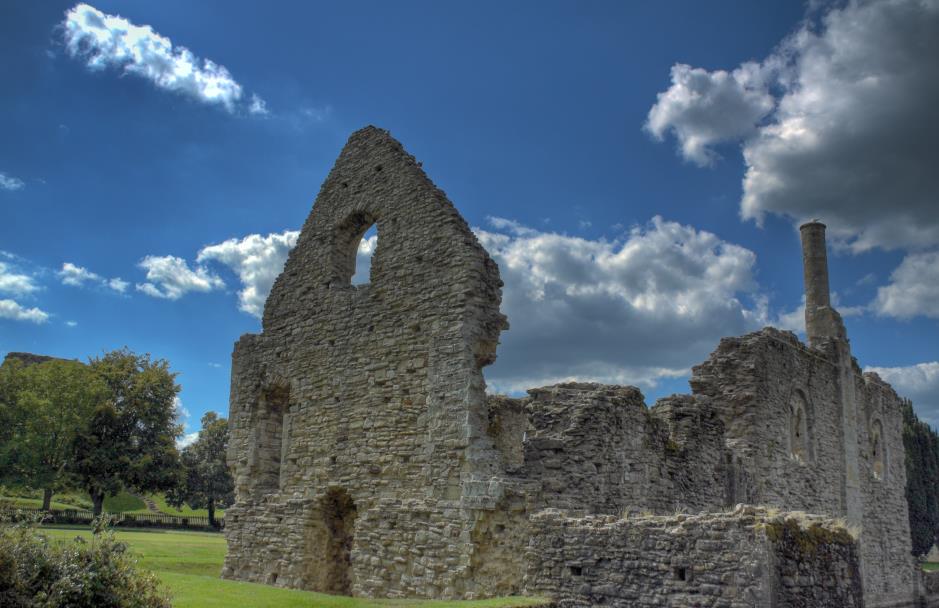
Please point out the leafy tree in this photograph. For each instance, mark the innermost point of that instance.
(208, 482)
(47, 404)
(922, 479)
(130, 440)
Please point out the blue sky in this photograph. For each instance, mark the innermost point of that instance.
(637, 170)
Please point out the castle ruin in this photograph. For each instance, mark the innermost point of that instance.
(370, 461)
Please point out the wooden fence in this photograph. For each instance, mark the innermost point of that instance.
(129, 520)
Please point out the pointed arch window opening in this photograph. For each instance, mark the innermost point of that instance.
(363, 256)
(355, 242)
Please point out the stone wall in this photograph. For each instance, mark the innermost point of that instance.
(359, 422)
(745, 558)
(596, 448)
(759, 383)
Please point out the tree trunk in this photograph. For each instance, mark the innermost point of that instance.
(46, 499)
(97, 499)
(212, 513)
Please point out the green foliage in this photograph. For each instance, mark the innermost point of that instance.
(130, 440)
(208, 482)
(45, 405)
(922, 479)
(35, 573)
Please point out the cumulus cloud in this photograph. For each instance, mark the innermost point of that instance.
(78, 276)
(8, 182)
(104, 40)
(852, 137)
(633, 310)
(118, 285)
(10, 309)
(920, 383)
(257, 260)
(14, 282)
(913, 289)
(171, 278)
(704, 108)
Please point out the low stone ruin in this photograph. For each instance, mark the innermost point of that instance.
(370, 461)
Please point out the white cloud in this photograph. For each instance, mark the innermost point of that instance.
(913, 289)
(72, 323)
(78, 276)
(8, 182)
(179, 408)
(704, 108)
(187, 440)
(15, 283)
(920, 383)
(118, 285)
(634, 310)
(257, 260)
(257, 106)
(171, 278)
(10, 309)
(852, 138)
(103, 40)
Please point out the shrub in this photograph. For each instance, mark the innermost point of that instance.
(35, 573)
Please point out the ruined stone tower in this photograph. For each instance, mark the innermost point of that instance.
(362, 408)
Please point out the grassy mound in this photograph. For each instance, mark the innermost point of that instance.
(189, 563)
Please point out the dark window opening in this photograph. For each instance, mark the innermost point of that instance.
(577, 571)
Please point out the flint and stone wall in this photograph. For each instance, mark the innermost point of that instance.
(745, 558)
(359, 416)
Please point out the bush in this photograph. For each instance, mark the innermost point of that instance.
(35, 573)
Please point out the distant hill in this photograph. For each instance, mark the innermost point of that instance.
(33, 359)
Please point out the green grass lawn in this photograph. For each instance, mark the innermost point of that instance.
(930, 566)
(189, 564)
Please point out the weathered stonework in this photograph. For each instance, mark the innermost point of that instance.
(747, 557)
(369, 460)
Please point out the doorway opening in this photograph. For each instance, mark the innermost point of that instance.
(339, 514)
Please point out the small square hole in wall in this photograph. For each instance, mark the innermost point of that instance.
(681, 573)
(577, 571)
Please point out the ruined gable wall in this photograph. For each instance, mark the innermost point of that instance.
(748, 557)
(376, 391)
(754, 382)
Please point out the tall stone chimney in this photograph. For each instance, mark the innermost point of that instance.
(821, 320)
(825, 330)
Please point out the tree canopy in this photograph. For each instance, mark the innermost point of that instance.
(208, 482)
(130, 439)
(44, 407)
